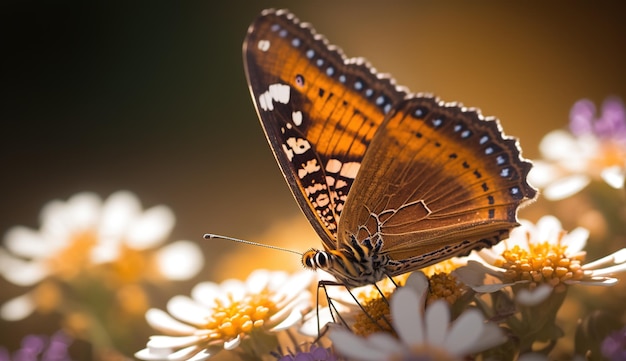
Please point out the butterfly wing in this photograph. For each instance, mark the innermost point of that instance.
(318, 109)
(437, 181)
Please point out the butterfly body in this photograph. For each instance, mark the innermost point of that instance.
(391, 181)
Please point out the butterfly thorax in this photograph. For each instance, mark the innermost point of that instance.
(354, 264)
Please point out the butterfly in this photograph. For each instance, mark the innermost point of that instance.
(391, 181)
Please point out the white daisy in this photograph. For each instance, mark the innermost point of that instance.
(422, 332)
(594, 148)
(221, 316)
(84, 233)
(542, 256)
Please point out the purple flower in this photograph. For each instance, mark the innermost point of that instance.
(610, 125)
(315, 353)
(40, 348)
(614, 346)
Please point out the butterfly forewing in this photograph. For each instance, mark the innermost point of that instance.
(318, 109)
(437, 181)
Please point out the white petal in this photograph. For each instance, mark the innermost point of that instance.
(151, 228)
(232, 344)
(465, 333)
(118, 211)
(17, 308)
(548, 229)
(20, 272)
(608, 271)
(566, 187)
(613, 176)
(186, 310)
(558, 144)
(260, 279)
(617, 257)
(231, 288)
(385, 343)
(419, 283)
(576, 240)
(180, 260)
(83, 210)
(406, 314)
(354, 347)
(532, 298)
(437, 320)
(173, 342)
(293, 318)
(491, 336)
(473, 275)
(205, 293)
(107, 250)
(25, 242)
(542, 173)
(311, 327)
(163, 322)
(152, 354)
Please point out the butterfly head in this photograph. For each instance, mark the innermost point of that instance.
(314, 259)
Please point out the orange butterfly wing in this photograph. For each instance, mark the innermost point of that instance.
(437, 181)
(318, 109)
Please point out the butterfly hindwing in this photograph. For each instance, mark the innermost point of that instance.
(437, 181)
(319, 111)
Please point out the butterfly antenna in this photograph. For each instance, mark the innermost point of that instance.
(217, 236)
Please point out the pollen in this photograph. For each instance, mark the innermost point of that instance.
(233, 318)
(444, 286)
(542, 263)
(71, 261)
(375, 317)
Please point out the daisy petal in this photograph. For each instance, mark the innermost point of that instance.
(354, 347)
(18, 308)
(566, 187)
(180, 260)
(437, 318)
(162, 321)
(534, 297)
(465, 333)
(151, 228)
(407, 316)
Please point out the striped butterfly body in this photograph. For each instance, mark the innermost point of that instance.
(392, 182)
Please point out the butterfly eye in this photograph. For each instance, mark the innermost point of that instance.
(308, 259)
(299, 80)
(321, 259)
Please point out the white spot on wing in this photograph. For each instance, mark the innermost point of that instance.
(275, 93)
(333, 166)
(297, 118)
(263, 45)
(350, 170)
(310, 167)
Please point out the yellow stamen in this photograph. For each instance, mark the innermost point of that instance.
(76, 257)
(233, 318)
(542, 263)
(444, 286)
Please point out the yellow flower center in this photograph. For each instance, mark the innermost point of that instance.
(233, 318)
(543, 263)
(76, 257)
(130, 266)
(443, 286)
(376, 317)
(611, 154)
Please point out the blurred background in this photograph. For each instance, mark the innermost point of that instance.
(151, 97)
